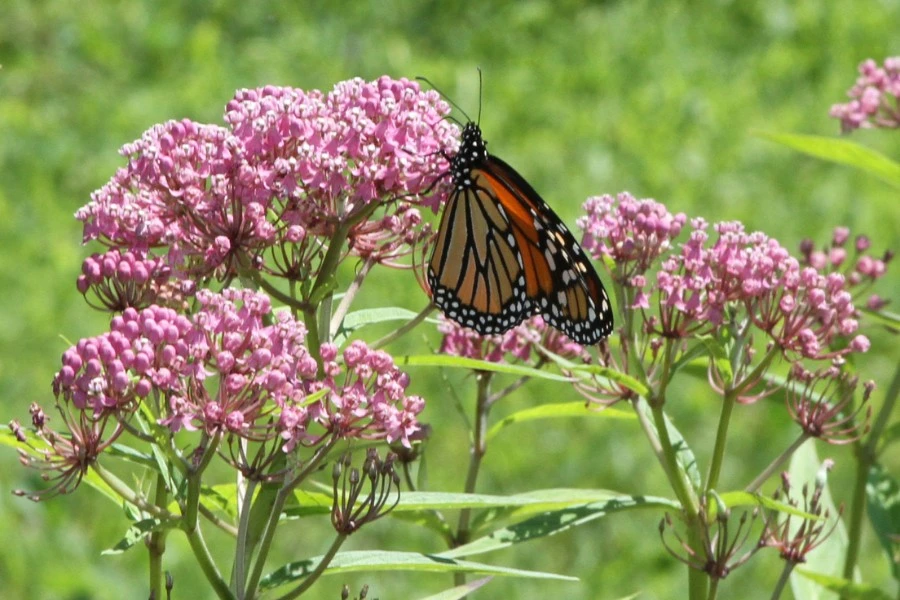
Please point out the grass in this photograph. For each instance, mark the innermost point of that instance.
(659, 99)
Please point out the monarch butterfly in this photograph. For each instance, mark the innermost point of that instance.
(503, 255)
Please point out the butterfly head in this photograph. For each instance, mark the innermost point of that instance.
(472, 152)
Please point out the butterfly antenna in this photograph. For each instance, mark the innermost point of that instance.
(447, 98)
(480, 88)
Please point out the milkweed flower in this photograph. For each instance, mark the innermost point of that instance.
(293, 167)
(521, 344)
(366, 397)
(873, 97)
(232, 368)
(118, 280)
(795, 541)
(631, 232)
(822, 402)
(860, 269)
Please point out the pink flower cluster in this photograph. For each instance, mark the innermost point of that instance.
(144, 350)
(861, 270)
(702, 280)
(121, 280)
(518, 345)
(633, 233)
(365, 398)
(295, 164)
(873, 98)
(262, 366)
(259, 366)
(802, 310)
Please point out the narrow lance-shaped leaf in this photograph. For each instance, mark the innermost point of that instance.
(557, 411)
(883, 507)
(557, 521)
(372, 561)
(459, 362)
(842, 152)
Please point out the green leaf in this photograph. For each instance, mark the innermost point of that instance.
(828, 558)
(883, 507)
(459, 362)
(558, 411)
(618, 377)
(556, 521)
(372, 561)
(7, 438)
(220, 498)
(695, 354)
(847, 589)
(95, 481)
(429, 519)
(131, 455)
(460, 591)
(684, 456)
(842, 152)
(137, 532)
(740, 498)
(887, 319)
(306, 503)
(370, 316)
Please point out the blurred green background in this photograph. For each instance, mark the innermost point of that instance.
(583, 98)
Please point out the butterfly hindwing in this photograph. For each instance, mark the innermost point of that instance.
(475, 272)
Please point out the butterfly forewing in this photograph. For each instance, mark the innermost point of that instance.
(567, 291)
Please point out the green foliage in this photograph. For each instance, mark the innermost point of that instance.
(582, 98)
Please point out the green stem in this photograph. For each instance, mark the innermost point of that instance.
(403, 329)
(713, 589)
(697, 580)
(190, 522)
(286, 299)
(476, 455)
(857, 511)
(195, 472)
(715, 467)
(782, 581)
(866, 456)
(341, 311)
(207, 565)
(274, 516)
(684, 491)
(776, 464)
(156, 544)
(130, 496)
(242, 550)
(677, 477)
(217, 521)
(317, 572)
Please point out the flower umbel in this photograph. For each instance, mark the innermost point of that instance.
(351, 510)
(64, 458)
(718, 555)
(822, 403)
(294, 168)
(795, 542)
(873, 98)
